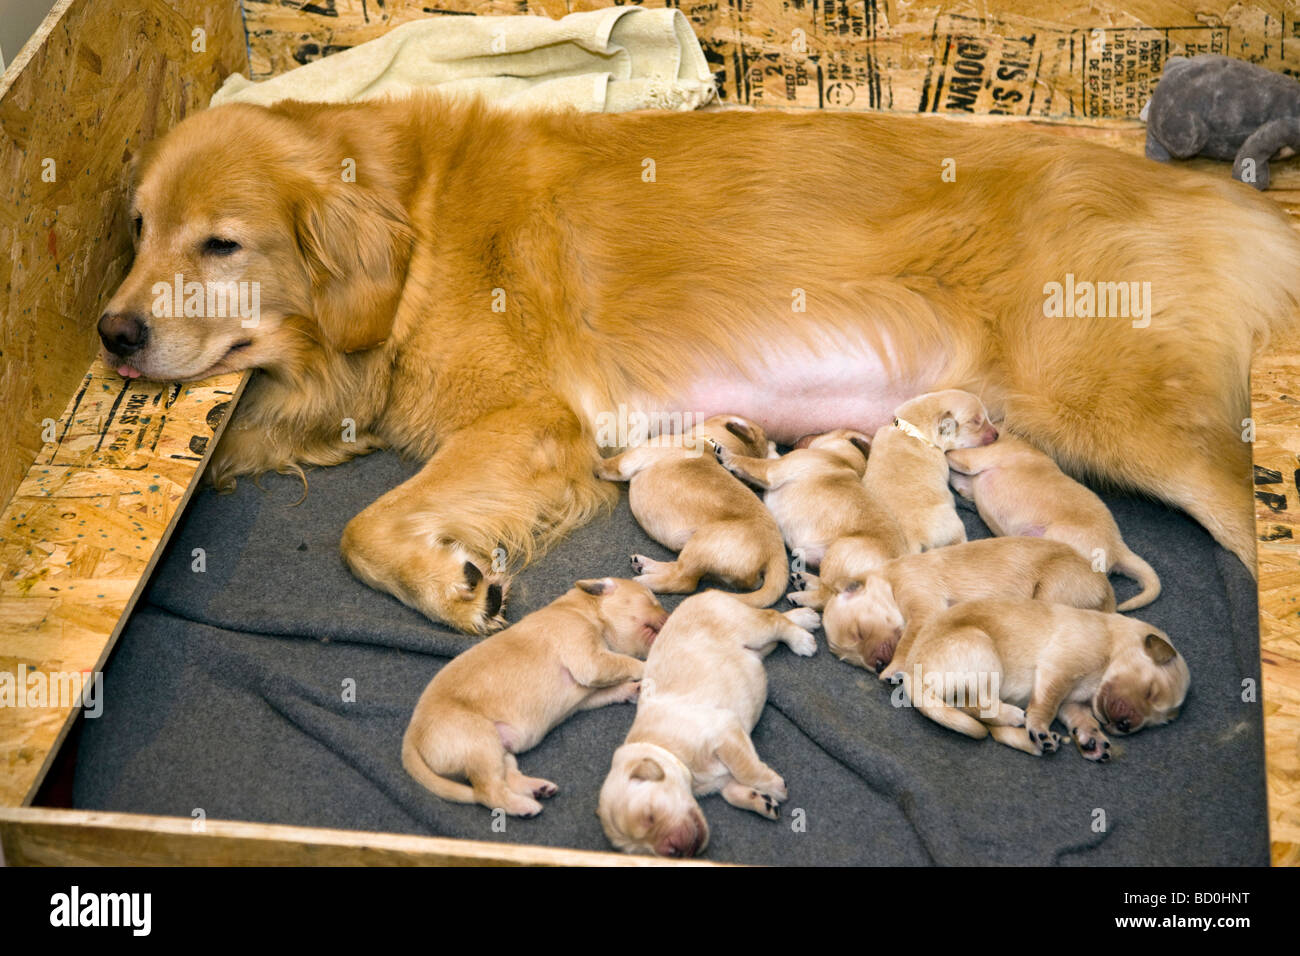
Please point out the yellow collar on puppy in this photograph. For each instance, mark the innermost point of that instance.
(907, 428)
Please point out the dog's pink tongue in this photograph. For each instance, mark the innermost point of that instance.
(127, 371)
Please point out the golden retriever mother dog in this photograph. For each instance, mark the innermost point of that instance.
(483, 290)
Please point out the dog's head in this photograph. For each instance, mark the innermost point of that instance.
(647, 804)
(863, 624)
(740, 436)
(255, 242)
(950, 419)
(629, 613)
(1144, 685)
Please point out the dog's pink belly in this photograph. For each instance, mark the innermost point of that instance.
(807, 395)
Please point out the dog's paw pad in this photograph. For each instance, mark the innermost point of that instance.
(638, 563)
(1046, 740)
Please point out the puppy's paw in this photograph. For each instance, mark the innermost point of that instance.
(544, 789)
(765, 806)
(719, 450)
(639, 563)
(628, 692)
(520, 806)
(775, 788)
(1092, 743)
(804, 617)
(1046, 740)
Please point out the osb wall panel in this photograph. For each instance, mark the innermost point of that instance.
(100, 78)
(1038, 58)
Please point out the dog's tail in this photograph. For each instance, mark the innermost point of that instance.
(1132, 566)
(775, 579)
(441, 786)
(945, 714)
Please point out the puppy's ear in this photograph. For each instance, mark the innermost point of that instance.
(742, 429)
(357, 244)
(947, 425)
(861, 442)
(596, 586)
(647, 769)
(1158, 649)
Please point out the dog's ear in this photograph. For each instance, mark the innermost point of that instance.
(1158, 649)
(861, 442)
(357, 244)
(596, 586)
(742, 429)
(647, 769)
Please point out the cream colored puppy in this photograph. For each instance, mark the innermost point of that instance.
(1018, 490)
(825, 513)
(703, 692)
(1011, 667)
(908, 468)
(871, 621)
(503, 695)
(687, 501)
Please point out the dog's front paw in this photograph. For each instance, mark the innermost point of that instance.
(764, 805)
(1046, 740)
(804, 617)
(720, 451)
(628, 692)
(1092, 743)
(775, 789)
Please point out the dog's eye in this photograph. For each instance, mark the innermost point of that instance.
(215, 246)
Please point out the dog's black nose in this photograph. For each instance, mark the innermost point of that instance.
(122, 333)
(1122, 726)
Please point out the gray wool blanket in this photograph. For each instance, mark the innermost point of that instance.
(274, 687)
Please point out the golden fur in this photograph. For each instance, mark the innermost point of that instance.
(378, 300)
(1019, 490)
(503, 695)
(1090, 669)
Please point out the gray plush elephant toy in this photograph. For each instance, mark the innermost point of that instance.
(1223, 108)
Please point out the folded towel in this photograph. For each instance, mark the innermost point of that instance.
(611, 60)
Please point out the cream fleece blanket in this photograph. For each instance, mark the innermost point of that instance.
(611, 60)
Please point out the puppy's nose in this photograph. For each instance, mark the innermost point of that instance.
(123, 333)
(1122, 725)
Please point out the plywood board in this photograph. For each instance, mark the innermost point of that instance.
(97, 81)
(77, 542)
(31, 836)
(1032, 58)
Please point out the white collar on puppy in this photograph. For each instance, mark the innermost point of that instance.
(907, 428)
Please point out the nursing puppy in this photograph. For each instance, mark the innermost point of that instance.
(1097, 673)
(686, 501)
(825, 513)
(908, 468)
(503, 695)
(1018, 490)
(871, 621)
(704, 689)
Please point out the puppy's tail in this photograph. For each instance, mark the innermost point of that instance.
(775, 579)
(942, 713)
(441, 786)
(1132, 566)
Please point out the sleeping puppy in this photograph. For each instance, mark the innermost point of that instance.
(686, 501)
(1018, 490)
(825, 513)
(872, 620)
(503, 695)
(908, 468)
(704, 689)
(1010, 667)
